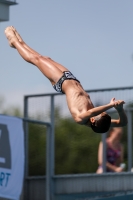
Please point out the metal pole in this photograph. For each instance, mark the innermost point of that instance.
(104, 152)
(26, 134)
(52, 136)
(129, 131)
(48, 164)
(26, 193)
(52, 167)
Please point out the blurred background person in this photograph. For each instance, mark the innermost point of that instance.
(114, 152)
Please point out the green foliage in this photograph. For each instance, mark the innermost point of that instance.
(75, 147)
(13, 111)
(37, 149)
(10, 110)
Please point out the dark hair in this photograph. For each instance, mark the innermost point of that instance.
(101, 125)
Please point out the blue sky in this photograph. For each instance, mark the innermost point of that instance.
(94, 39)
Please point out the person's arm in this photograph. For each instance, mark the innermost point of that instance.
(113, 167)
(122, 121)
(96, 111)
(100, 153)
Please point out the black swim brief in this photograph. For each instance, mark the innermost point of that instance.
(66, 76)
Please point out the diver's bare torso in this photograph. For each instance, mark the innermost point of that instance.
(77, 99)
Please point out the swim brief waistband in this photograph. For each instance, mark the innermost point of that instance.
(66, 76)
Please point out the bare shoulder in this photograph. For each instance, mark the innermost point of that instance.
(81, 121)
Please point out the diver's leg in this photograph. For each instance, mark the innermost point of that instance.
(61, 67)
(50, 70)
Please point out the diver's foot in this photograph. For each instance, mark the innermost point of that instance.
(10, 36)
(17, 34)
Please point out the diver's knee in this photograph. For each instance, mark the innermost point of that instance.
(34, 58)
(48, 58)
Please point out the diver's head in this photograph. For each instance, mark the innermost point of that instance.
(100, 123)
